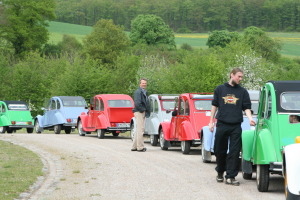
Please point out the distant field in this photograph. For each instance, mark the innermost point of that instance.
(290, 41)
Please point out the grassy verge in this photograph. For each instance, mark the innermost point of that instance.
(19, 169)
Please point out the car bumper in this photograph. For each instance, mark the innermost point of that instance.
(118, 128)
(21, 126)
(73, 125)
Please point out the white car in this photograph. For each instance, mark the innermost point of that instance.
(161, 107)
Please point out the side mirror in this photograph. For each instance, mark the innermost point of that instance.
(174, 113)
(44, 109)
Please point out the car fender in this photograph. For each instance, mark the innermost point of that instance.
(102, 122)
(187, 131)
(291, 166)
(264, 150)
(83, 117)
(4, 121)
(165, 126)
(208, 138)
(155, 124)
(60, 118)
(247, 144)
(39, 118)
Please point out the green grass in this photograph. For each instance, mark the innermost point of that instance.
(19, 169)
(290, 41)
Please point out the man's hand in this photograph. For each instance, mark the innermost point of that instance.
(211, 127)
(252, 123)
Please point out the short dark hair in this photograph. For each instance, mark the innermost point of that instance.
(143, 79)
(235, 70)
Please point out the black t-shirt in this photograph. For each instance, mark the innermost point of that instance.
(231, 102)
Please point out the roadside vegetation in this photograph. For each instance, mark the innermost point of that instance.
(19, 169)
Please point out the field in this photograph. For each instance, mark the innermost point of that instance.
(290, 41)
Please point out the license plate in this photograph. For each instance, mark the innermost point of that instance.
(122, 124)
(21, 123)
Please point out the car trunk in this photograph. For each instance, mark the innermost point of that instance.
(20, 116)
(120, 115)
(201, 118)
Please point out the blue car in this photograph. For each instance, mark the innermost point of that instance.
(61, 113)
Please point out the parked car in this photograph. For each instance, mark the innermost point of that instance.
(15, 115)
(61, 113)
(270, 147)
(108, 113)
(208, 138)
(161, 107)
(191, 113)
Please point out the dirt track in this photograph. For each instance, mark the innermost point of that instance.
(80, 168)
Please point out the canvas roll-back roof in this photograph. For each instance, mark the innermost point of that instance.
(15, 102)
(285, 86)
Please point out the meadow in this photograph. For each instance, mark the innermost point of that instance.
(290, 41)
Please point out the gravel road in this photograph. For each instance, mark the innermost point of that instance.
(87, 168)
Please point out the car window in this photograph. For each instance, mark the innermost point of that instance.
(269, 106)
(290, 100)
(97, 104)
(202, 104)
(2, 108)
(187, 107)
(254, 107)
(52, 105)
(155, 106)
(151, 105)
(58, 104)
(181, 107)
(168, 105)
(17, 107)
(101, 105)
(119, 103)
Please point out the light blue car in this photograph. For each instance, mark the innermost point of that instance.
(61, 113)
(208, 138)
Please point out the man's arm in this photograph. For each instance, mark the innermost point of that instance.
(212, 117)
(249, 115)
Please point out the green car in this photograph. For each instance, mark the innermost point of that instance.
(278, 125)
(15, 115)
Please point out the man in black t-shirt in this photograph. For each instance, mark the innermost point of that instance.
(230, 100)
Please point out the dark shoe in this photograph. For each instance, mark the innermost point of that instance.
(133, 149)
(232, 181)
(220, 177)
(142, 150)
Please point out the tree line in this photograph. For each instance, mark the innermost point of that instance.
(185, 16)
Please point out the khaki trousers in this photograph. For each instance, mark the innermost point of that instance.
(138, 141)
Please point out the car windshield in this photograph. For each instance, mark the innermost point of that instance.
(203, 104)
(119, 103)
(168, 105)
(290, 100)
(73, 101)
(17, 107)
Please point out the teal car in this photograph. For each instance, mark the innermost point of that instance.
(15, 115)
(278, 127)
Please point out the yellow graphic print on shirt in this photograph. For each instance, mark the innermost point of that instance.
(230, 99)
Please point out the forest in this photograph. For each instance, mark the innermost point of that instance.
(185, 16)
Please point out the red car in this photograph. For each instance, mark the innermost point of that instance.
(191, 113)
(108, 113)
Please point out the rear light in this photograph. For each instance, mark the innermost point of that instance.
(69, 120)
(297, 140)
(29, 123)
(113, 124)
(13, 122)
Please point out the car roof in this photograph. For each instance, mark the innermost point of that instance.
(165, 96)
(14, 102)
(70, 97)
(114, 96)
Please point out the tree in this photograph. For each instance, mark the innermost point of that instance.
(24, 23)
(151, 30)
(221, 38)
(106, 41)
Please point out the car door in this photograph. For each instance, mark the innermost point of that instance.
(91, 117)
(50, 113)
(179, 118)
(148, 119)
(2, 113)
(152, 127)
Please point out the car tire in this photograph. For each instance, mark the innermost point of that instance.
(185, 146)
(2, 129)
(162, 141)
(68, 129)
(246, 164)
(57, 129)
(29, 130)
(37, 126)
(80, 129)
(115, 134)
(10, 130)
(262, 177)
(154, 140)
(132, 131)
(206, 155)
(100, 133)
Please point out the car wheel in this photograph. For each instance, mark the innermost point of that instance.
(153, 140)
(206, 155)
(132, 131)
(57, 129)
(186, 146)
(80, 130)
(2, 129)
(100, 133)
(9, 130)
(246, 166)
(37, 126)
(29, 130)
(68, 130)
(115, 134)
(262, 177)
(162, 141)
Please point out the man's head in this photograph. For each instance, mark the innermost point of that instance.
(143, 83)
(236, 75)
